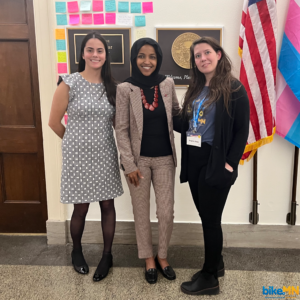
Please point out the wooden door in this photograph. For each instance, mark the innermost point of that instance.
(23, 207)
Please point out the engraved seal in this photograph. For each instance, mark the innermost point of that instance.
(181, 49)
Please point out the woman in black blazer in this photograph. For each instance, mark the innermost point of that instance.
(214, 127)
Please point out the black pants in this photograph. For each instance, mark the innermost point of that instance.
(210, 203)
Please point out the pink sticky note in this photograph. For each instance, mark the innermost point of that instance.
(97, 5)
(74, 19)
(110, 18)
(66, 119)
(87, 19)
(62, 68)
(98, 19)
(147, 7)
(73, 7)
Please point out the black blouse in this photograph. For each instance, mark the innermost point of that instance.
(156, 139)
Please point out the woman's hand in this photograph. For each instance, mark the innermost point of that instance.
(134, 177)
(228, 167)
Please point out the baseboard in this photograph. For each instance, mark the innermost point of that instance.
(186, 234)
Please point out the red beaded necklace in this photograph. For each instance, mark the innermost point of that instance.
(155, 102)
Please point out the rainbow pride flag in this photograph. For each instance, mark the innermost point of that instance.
(288, 80)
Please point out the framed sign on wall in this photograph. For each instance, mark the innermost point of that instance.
(175, 44)
(118, 42)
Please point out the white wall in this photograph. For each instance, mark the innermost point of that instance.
(275, 161)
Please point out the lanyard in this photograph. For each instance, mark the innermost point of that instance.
(196, 116)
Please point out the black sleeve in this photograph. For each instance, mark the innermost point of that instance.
(240, 127)
(177, 123)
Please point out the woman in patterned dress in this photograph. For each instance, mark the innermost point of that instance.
(90, 170)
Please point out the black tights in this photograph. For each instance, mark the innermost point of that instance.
(210, 203)
(108, 223)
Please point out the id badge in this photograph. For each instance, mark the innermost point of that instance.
(193, 139)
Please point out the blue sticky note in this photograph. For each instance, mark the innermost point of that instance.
(60, 7)
(60, 45)
(61, 19)
(136, 7)
(123, 7)
(140, 21)
(110, 5)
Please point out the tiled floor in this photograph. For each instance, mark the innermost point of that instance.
(29, 269)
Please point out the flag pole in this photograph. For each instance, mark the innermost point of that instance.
(291, 217)
(254, 216)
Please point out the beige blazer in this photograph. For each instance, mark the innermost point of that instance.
(129, 121)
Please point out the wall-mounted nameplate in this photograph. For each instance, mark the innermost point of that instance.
(175, 44)
(118, 42)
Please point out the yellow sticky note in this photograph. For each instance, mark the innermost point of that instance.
(61, 57)
(140, 33)
(60, 34)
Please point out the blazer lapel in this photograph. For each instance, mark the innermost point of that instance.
(136, 104)
(167, 99)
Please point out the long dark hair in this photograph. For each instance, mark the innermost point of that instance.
(108, 81)
(220, 84)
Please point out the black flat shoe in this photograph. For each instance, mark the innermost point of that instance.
(221, 270)
(104, 265)
(79, 263)
(167, 272)
(151, 275)
(204, 285)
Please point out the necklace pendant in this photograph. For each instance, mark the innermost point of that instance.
(155, 104)
(151, 108)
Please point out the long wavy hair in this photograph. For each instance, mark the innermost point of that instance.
(220, 84)
(106, 75)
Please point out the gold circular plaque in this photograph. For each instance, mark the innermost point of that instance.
(181, 49)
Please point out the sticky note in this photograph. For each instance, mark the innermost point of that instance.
(61, 20)
(60, 45)
(147, 7)
(60, 34)
(62, 68)
(86, 18)
(140, 21)
(60, 7)
(123, 6)
(110, 18)
(66, 118)
(74, 19)
(97, 5)
(140, 33)
(98, 19)
(110, 5)
(73, 7)
(135, 7)
(124, 19)
(85, 5)
(61, 57)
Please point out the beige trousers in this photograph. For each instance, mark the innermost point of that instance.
(161, 171)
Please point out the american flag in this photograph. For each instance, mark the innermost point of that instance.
(257, 48)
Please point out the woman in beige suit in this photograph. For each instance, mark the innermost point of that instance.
(145, 105)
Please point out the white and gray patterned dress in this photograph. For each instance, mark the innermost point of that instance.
(90, 169)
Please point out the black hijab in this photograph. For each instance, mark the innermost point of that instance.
(137, 78)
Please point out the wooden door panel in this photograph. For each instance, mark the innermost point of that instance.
(20, 177)
(15, 84)
(13, 12)
(23, 206)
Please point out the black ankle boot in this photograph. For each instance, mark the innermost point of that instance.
(205, 284)
(105, 264)
(79, 262)
(221, 270)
